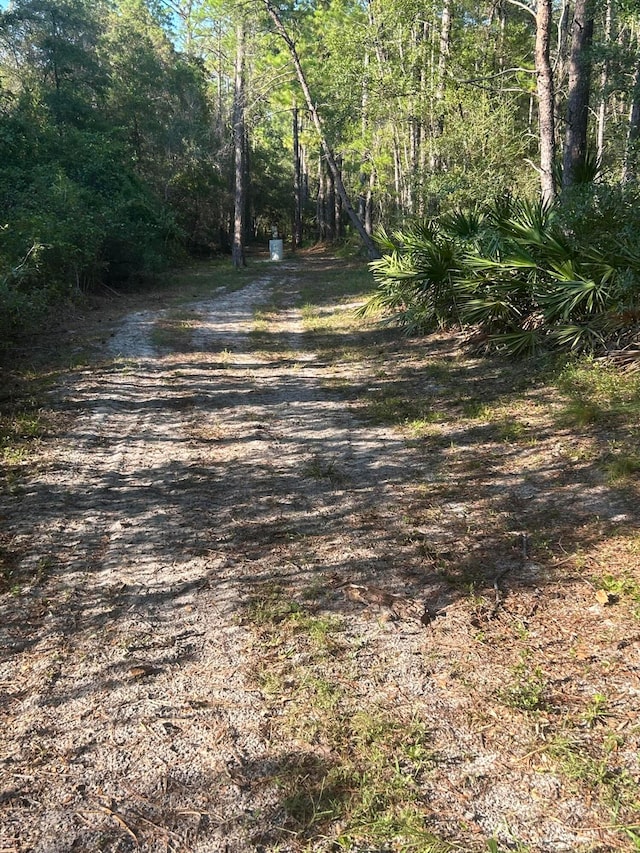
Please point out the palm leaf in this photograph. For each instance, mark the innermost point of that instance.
(577, 338)
(522, 343)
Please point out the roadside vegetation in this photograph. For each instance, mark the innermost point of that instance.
(520, 276)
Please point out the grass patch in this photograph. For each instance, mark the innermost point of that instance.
(477, 410)
(324, 286)
(395, 409)
(9, 561)
(358, 774)
(604, 402)
(174, 331)
(199, 280)
(264, 335)
(599, 394)
(25, 423)
(13, 578)
(527, 687)
(20, 430)
(330, 320)
(621, 587)
(370, 789)
(622, 467)
(326, 299)
(593, 764)
(319, 468)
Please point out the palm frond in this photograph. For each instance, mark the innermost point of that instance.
(524, 342)
(463, 224)
(581, 296)
(576, 338)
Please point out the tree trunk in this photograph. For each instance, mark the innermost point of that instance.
(321, 218)
(239, 191)
(315, 117)
(633, 131)
(445, 45)
(604, 82)
(397, 173)
(330, 205)
(444, 50)
(575, 140)
(424, 109)
(337, 208)
(546, 117)
(297, 185)
(368, 207)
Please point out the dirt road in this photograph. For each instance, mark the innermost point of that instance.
(213, 490)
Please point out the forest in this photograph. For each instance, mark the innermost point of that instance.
(340, 553)
(487, 149)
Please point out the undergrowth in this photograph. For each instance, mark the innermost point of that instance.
(357, 776)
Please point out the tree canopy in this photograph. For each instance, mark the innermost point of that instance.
(126, 143)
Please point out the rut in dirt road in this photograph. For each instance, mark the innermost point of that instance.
(185, 478)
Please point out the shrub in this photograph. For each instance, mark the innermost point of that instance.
(527, 275)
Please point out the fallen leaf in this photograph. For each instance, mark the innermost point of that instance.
(603, 596)
(141, 670)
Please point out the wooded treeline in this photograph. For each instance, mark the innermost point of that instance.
(135, 132)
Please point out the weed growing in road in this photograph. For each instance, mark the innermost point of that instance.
(596, 711)
(392, 408)
(318, 468)
(358, 774)
(527, 688)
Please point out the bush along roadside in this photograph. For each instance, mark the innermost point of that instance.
(524, 275)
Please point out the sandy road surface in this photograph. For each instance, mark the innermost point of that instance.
(189, 481)
(127, 710)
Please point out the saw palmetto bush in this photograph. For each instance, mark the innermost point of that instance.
(524, 274)
(419, 276)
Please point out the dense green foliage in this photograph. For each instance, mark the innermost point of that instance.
(525, 274)
(117, 150)
(92, 100)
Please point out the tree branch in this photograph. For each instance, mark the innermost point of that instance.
(530, 9)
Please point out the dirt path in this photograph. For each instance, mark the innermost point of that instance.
(205, 498)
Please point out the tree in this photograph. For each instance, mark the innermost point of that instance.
(315, 116)
(297, 181)
(546, 100)
(575, 141)
(239, 137)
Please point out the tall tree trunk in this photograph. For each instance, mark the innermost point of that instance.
(422, 142)
(315, 117)
(444, 50)
(321, 216)
(633, 132)
(563, 48)
(239, 190)
(368, 207)
(397, 173)
(304, 176)
(330, 205)
(297, 184)
(604, 82)
(337, 208)
(546, 117)
(575, 140)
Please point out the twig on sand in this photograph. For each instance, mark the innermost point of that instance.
(119, 820)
